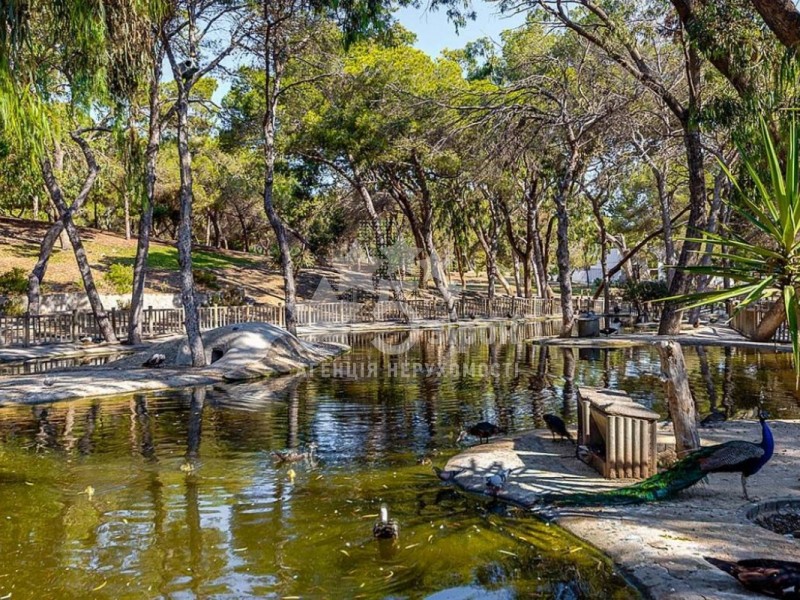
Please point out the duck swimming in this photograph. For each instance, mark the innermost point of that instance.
(294, 455)
(385, 528)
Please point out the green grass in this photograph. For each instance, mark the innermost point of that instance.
(166, 258)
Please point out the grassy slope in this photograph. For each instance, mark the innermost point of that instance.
(19, 247)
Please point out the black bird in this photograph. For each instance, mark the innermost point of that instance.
(386, 528)
(607, 331)
(776, 578)
(713, 418)
(557, 427)
(484, 430)
(154, 361)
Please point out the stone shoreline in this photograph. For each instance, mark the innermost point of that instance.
(658, 546)
(246, 351)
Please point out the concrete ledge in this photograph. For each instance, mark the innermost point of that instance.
(659, 546)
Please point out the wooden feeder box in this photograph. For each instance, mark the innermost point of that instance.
(620, 434)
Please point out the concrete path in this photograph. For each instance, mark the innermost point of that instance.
(708, 335)
(661, 545)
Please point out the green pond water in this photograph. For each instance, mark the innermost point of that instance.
(175, 494)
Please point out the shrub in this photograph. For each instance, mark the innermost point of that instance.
(205, 278)
(14, 282)
(644, 291)
(120, 278)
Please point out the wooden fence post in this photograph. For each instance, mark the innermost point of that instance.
(74, 325)
(27, 334)
(149, 320)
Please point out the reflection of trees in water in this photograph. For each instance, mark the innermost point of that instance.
(727, 381)
(708, 380)
(46, 431)
(568, 399)
(539, 382)
(195, 425)
(195, 531)
(86, 443)
(141, 416)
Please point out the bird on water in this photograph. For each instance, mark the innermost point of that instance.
(385, 528)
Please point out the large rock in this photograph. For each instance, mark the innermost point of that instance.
(243, 351)
(236, 352)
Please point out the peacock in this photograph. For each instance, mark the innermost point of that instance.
(776, 578)
(737, 456)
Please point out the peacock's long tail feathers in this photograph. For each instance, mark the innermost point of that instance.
(683, 474)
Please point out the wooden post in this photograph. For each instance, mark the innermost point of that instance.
(679, 395)
(611, 449)
(74, 325)
(149, 320)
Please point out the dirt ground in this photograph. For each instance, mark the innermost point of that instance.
(260, 279)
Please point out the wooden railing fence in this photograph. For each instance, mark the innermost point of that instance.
(747, 320)
(74, 326)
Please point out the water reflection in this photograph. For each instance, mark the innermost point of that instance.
(188, 501)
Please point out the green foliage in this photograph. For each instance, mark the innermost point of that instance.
(767, 264)
(13, 285)
(644, 291)
(120, 277)
(167, 259)
(14, 282)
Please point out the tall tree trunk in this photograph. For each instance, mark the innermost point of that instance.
(36, 277)
(682, 408)
(146, 220)
(562, 249)
(671, 314)
(188, 298)
(57, 196)
(274, 56)
(126, 203)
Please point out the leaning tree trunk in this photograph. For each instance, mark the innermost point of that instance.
(437, 271)
(146, 221)
(679, 396)
(36, 277)
(770, 323)
(188, 298)
(387, 268)
(65, 215)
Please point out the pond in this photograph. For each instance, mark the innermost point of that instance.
(175, 494)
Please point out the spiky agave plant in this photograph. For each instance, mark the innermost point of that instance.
(768, 264)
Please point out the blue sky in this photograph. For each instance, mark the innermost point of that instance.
(434, 32)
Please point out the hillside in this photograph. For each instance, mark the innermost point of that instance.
(19, 247)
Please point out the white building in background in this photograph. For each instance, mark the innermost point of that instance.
(579, 276)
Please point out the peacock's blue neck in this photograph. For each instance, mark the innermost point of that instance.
(767, 442)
